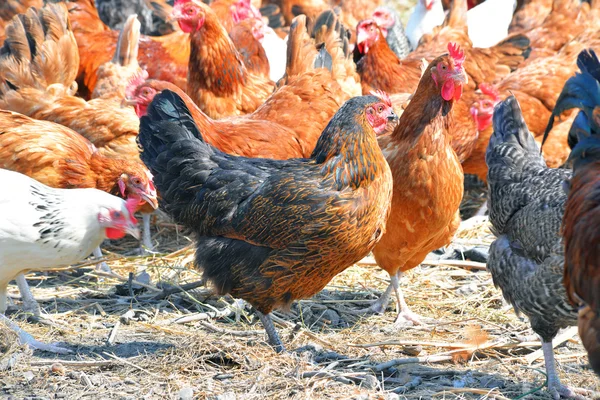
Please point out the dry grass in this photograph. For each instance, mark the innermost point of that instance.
(153, 356)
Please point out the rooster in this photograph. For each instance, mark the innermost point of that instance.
(526, 204)
(270, 231)
(428, 179)
(217, 81)
(45, 228)
(581, 276)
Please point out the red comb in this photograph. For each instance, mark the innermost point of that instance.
(489, 90)
(457, 54)
(136, 80)
(180, 2)
(383, 96)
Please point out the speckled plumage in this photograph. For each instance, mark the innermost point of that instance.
(526, 204)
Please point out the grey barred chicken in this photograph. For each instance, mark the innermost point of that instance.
(527, 203)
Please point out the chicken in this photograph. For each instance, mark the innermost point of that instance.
(391, 27)
(241, 136)
(165, 57)
(274, 130)
(379, 68)
(536, 86)
(246, 38)
(114, 76)
(427, 15)
(61, 158)
(218, 81)
(10, 8)
(567, 19)
(115, 13)
(529, 14)
(255, 240)
(45, 228)
(38, 80)
(428, 179)
(581, 278)
(526, 205)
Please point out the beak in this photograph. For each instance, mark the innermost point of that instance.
(392, 116)
(133, 230)
(361, 37)
(460, 76)
(129, 102)
(150, 198)
(176, 15)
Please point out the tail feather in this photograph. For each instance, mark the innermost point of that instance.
(39, 51)
(511, 144)
(581, 91)
(301, 50)
(126, 53)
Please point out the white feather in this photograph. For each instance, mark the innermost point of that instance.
(489, 21)
(423, 21)
(276, 51)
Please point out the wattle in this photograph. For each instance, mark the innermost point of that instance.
(112, 233)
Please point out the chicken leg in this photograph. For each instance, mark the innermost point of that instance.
(30, 305)
(24, 337)
(274, 339)
(101, 266)
(406, 317)
(556, 389)
(146, 234)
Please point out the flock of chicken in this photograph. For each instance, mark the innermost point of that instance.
(270, 133)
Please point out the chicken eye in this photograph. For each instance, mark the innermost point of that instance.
(136, 181)
(117, 214)
(444, 67)
(380, 109)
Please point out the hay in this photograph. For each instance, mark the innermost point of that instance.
(136, 346)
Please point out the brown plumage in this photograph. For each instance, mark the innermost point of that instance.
(264, 234)
(61, 158)
(38, 80)
(164, 57)
(274, 129)
(218, 81)
(428, 178)
(245, 37)
(241, 136)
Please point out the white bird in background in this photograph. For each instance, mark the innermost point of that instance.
(276, 51)
(45, 228)
(488, 22)
(427, 15)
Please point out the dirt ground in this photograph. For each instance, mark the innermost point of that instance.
(154, 341)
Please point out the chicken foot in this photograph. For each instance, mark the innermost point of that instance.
(30, 305)
(556, 389)
(274, 339)
(26, 338)
(406, 317)
(103, 266)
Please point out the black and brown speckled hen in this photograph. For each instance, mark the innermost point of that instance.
(273, 231)
(526, 203)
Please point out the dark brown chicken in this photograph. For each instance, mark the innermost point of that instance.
(582, 212)
(273, 231)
